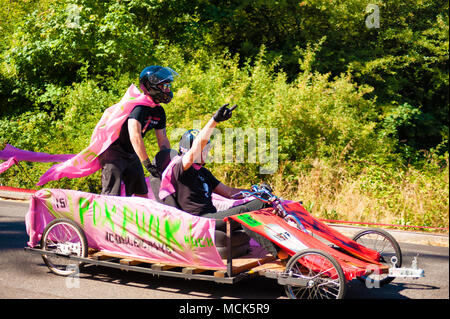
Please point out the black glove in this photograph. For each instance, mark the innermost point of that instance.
(152, 169)
(223, 113)
(266, 187)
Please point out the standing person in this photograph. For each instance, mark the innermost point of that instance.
(124, 158)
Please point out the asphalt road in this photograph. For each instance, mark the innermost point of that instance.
(24, 276)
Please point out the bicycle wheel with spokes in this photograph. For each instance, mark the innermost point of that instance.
(388, 248)
(320, 271)
(65, 237)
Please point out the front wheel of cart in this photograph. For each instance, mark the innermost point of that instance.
(321, 274)
(388, 248)
(66, 238)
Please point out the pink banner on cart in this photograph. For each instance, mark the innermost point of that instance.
(129, 226)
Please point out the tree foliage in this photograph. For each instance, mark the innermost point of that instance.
(405, 60)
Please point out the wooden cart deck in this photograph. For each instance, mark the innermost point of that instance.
(252, 262)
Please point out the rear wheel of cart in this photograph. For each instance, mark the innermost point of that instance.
(388, 248)
(65, 237)
(322, 274)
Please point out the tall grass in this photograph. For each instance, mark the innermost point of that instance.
(406, 197)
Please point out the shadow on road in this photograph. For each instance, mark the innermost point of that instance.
(393, 290)
(13, 234)
(256, 287)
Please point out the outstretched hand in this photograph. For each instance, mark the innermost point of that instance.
(151, 168)
(224, 113)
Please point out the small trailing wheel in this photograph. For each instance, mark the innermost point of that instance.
(321, 273)
(388, 248)
(65, 237)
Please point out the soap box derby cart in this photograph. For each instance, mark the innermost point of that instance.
(71, 229)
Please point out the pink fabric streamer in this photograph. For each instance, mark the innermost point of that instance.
(166, 187)
(105, 133)
(13, 155)
(29, 156)
(5, 165)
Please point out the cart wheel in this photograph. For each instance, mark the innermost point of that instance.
(323, 274)
(390, 253)
(65, 237)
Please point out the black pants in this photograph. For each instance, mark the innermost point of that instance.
(244, 208)
(119, 166)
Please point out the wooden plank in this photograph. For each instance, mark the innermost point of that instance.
(161, 267)
(256, 257)
(220, 273)
(130, 262)
(100, 256)
(249, 263)
(274, 266)
(192, 270)
(155, 265)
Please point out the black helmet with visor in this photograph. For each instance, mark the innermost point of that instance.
(155, 81)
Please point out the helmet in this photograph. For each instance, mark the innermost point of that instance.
(187, 139)
(149, 81)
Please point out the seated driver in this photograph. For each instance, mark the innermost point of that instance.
(192, 184)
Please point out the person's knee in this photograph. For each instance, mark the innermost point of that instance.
(257, 204)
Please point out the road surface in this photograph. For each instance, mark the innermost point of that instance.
(24, 275)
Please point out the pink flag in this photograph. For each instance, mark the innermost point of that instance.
(105, 133)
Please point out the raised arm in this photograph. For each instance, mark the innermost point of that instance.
(202, 139)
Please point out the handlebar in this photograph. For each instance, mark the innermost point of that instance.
(265, 195)
(261, 193)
